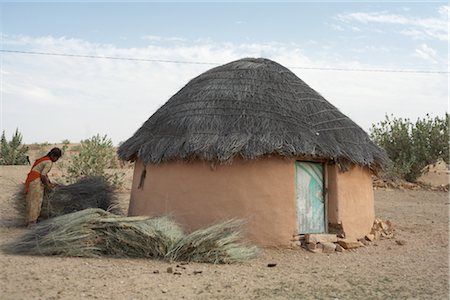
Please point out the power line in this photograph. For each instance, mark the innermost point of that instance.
(216, 64)
(110, 57)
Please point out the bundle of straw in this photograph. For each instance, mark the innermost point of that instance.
(68, 235)
(95, 232)
(137, 236)
(218, 243)
(88, 192)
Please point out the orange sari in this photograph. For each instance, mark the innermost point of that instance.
(33, 175)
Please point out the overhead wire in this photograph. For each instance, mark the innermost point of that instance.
(216, 64)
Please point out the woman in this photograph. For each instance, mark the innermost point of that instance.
(37, 181)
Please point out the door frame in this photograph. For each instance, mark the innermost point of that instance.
(324, 192)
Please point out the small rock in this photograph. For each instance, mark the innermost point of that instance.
(197, 272)
(169, 270)
(315, 248)
(295, 244)
(271, 265)
(370, 237)
(349, 244)
(164, 291)
(339, 248)
(328, 247)
(364, 242)
(400, 242)
(376, 234)
(320, 238)
(176, 273)
(156, 272)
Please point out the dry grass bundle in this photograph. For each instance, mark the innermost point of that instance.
(137, 236)
(218, 243)
(88, 192)
(95, 232)
(68, 235)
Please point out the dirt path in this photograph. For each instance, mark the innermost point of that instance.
(384, 270)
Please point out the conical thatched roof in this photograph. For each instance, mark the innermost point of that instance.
(249, 108)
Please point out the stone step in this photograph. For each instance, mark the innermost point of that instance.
(320, 238)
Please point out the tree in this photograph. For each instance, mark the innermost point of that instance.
(412, 146)
(13, 152)
(95, 156)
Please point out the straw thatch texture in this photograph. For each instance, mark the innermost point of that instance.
(88, 192)
(95, 232)
(249, 108)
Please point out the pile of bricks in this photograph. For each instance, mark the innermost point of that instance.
(382, 229)
(330, 243)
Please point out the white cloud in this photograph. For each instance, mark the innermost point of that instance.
(427, 53)
(157, 38)
(372, 18)
(432, 27)
(75, 98)
(413, 33)
(337, 27)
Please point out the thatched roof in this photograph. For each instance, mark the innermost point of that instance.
(249, 108)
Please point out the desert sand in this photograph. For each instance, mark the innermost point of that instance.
(418, 269)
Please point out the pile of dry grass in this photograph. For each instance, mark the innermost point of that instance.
(88, 192)
(95, 232)
(218, 243)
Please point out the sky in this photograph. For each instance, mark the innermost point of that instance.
(51, 98)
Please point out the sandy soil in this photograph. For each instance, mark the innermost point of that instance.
(385, 270)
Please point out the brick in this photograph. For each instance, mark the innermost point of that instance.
(328, 247)
(370, 237)
(320, 238)
(339, 248)
(316, 248)
(349, 244)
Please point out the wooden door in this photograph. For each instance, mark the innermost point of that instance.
(310, 197)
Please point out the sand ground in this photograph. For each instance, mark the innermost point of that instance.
(384, 270)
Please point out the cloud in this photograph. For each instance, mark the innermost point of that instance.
(79, 97)
(432, 27)
(337, 27)
(427, 53)
(157, 38)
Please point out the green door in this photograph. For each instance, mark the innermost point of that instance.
(310, 198)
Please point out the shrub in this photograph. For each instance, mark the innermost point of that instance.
(95, 156)
(412, 146)
(13, 152)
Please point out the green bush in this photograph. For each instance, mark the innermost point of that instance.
(13, 152)
(412, 146)
(95, 156)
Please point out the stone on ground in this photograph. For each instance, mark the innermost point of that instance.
(320, 238)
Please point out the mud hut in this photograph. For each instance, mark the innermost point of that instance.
(251, 140)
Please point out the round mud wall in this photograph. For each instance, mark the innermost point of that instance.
(197, 194)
